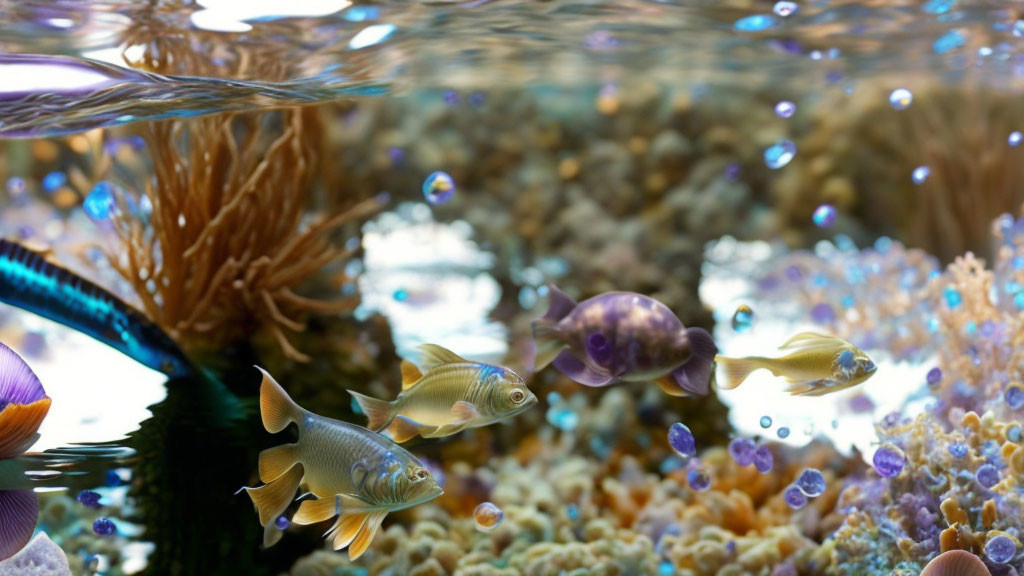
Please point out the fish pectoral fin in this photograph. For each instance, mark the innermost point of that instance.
(446, 430)
(410, 375)
(812, 388)
(345, 529)
(668, 385)
(403, 429)
(274, 462)
(572, 367)
(432, 356)
(313, 511)
(366, 533)
(465, 411)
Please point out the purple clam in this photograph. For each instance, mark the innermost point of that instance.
(23, 404)
(19, 511)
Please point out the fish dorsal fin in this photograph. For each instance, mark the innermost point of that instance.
(410, 374)
(432, 356)
(808, 339)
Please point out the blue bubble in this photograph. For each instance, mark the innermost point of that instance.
(282, 523)
(779, 154)
(766, 421)
(666, 568)
(54, 180)
(824, 216)
(400, 295)
(563, 418)
(698, 479)
(89, 499)
(1015, 138)
(1014, 396)
(782, 432)
(573, 512)
(785, 8)
(938, 6)
(953, 297)
(948, 42)
(920, 174)
(755, 23)
(958, 450)
(438, 188)
(99, 203)
(742, 319)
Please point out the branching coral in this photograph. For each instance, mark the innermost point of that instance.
(228, 239)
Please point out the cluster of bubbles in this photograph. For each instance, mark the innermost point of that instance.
(561, 414)
(745, 452)
(681, 439)
(810, 484)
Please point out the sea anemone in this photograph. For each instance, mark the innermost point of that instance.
(23, 404)
(228, 239)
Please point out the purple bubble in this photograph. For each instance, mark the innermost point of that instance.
(681, 440)
(104, 527)
(282, 523)
(888, 461)
(823, 314)
(794, 498)
(987, 475)
(934, 376)
(742, 451)
(89, 499)
(763, 460)
(811, 482)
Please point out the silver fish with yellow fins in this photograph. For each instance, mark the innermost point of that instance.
(448, 395)
(818, 365)
(353, 473)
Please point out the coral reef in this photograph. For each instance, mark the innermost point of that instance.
(40, 558)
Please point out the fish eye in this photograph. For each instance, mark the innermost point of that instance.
(420, 474)
(517, 396)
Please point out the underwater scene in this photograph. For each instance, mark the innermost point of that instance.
(509, 287)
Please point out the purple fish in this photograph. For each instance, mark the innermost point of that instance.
(623, 337)
(23, 404)
(19, 511)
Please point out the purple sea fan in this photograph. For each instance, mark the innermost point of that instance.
(23, 404)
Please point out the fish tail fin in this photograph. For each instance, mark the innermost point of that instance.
(736, 370)
(274, 462)
(695, 375)
(379, 413)
(545, 329)
(272, 499)
(366, 534)
(277, 408)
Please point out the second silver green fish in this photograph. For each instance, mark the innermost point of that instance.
(450, 394)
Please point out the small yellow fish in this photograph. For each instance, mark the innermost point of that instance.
(448, 396)
(355, 474)
(819, 365)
